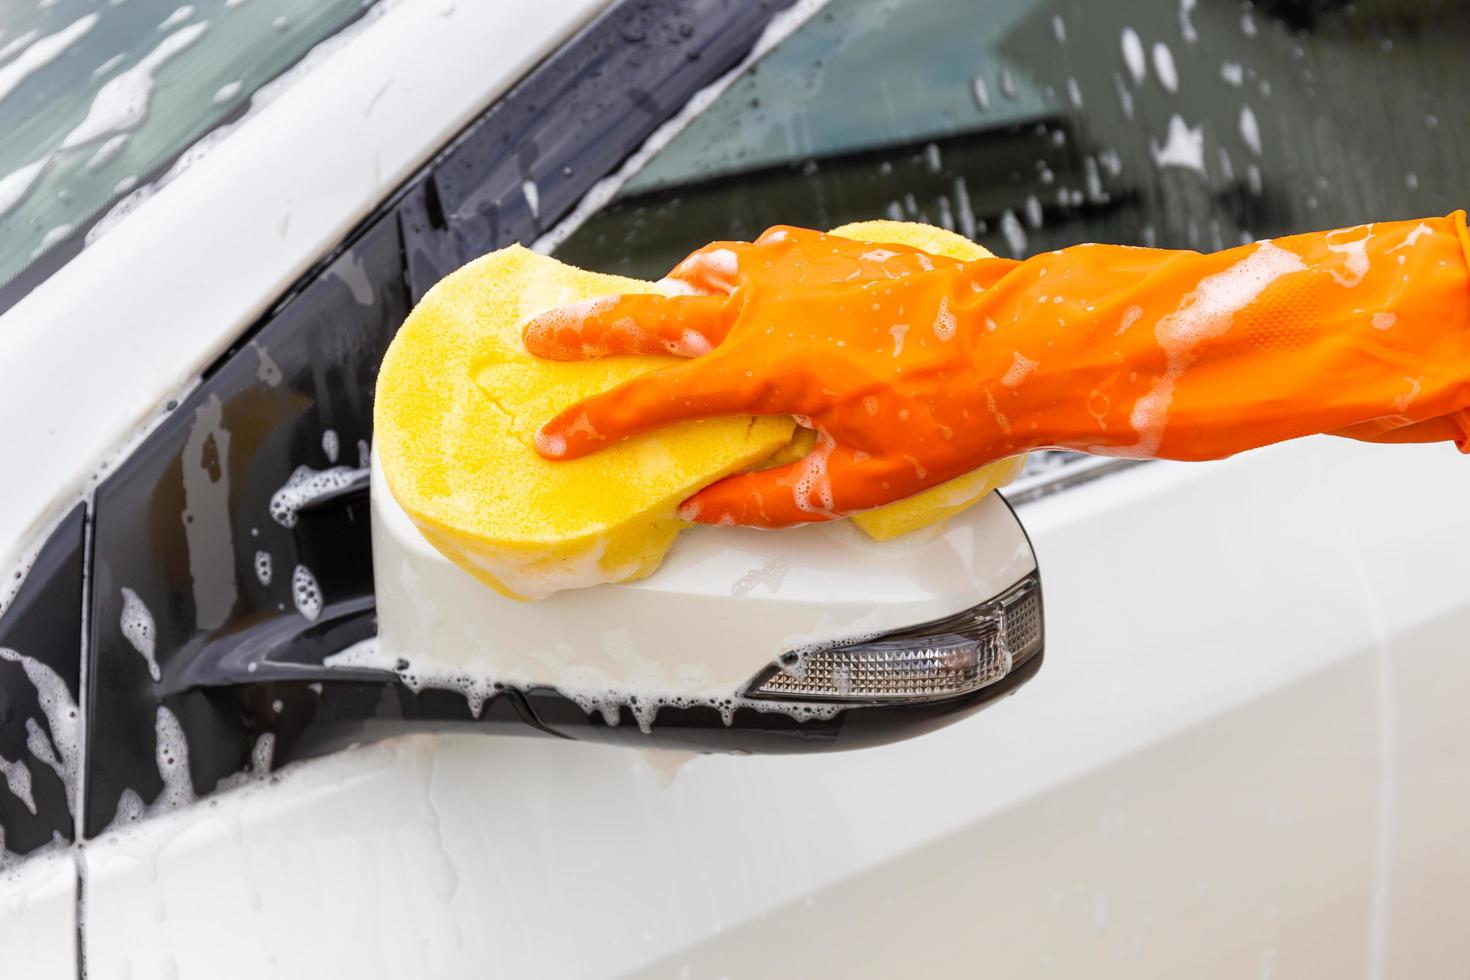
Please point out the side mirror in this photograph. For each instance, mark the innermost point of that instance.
(256, 640)
(744, 641)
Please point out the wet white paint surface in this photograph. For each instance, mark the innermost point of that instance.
(50, 346)
(38, 918)
(1178, 793)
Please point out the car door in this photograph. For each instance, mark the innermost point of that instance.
(1242, 755)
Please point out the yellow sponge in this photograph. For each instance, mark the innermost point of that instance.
(458, 403)
(459, 400)
(947, 499)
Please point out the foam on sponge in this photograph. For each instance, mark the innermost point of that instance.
(459, 400)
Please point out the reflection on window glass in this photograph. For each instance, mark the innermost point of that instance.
(1032, 125)
(96, 97)
(1029, 126)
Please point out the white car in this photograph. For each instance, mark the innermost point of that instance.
(251, 724)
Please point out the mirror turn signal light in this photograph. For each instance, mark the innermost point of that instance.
(945, 658)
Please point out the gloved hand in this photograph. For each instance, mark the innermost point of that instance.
(915, 368)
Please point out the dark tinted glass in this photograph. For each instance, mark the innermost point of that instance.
(1184, 123)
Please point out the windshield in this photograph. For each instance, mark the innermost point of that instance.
(97, 98)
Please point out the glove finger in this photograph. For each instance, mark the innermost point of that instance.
(713, 269)
(697, 389)
(830, 482)
(637, 323)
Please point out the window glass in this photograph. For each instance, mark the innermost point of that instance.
(97, 96)
(1033, 125)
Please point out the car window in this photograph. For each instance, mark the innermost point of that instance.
(1033, 125)
(98, 97)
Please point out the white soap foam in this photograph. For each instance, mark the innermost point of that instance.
(981, 92)
(1021, 366)
(1401, 402)
(41, 52)
(1130, 317)
(267, 371)
(642, 686)
(1125, 97)
(1412, 238)
(305, 593)
(307, 484)
(1164, 67)
(995, 412)
(176, 18)
(1186, 26)
(18, 781)
(898, 331)
(107, 66)
(691, 343)
(15, 185)
(945, 324)
(418, 673)
(262, 97)
(549, 445)
(171, 753)
(1094, 182)
(62, 717)
(812, 479)
(1015, 235)
(1209, 310)
(1250, 130)
(1355, 252)
(1206, 313)
(107, 152)
(18, 42)
(1133, 55)
(130, 809)
(1183, 147)
(263, 567)
(122, 103)
(719, 268)
(40, 747)
(138, 628)
(262, 754)
(50, 238)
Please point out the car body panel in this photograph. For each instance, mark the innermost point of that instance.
(38, 918)
(203, 263)
(1178, 793)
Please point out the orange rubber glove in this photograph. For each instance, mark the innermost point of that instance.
(915, 369)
